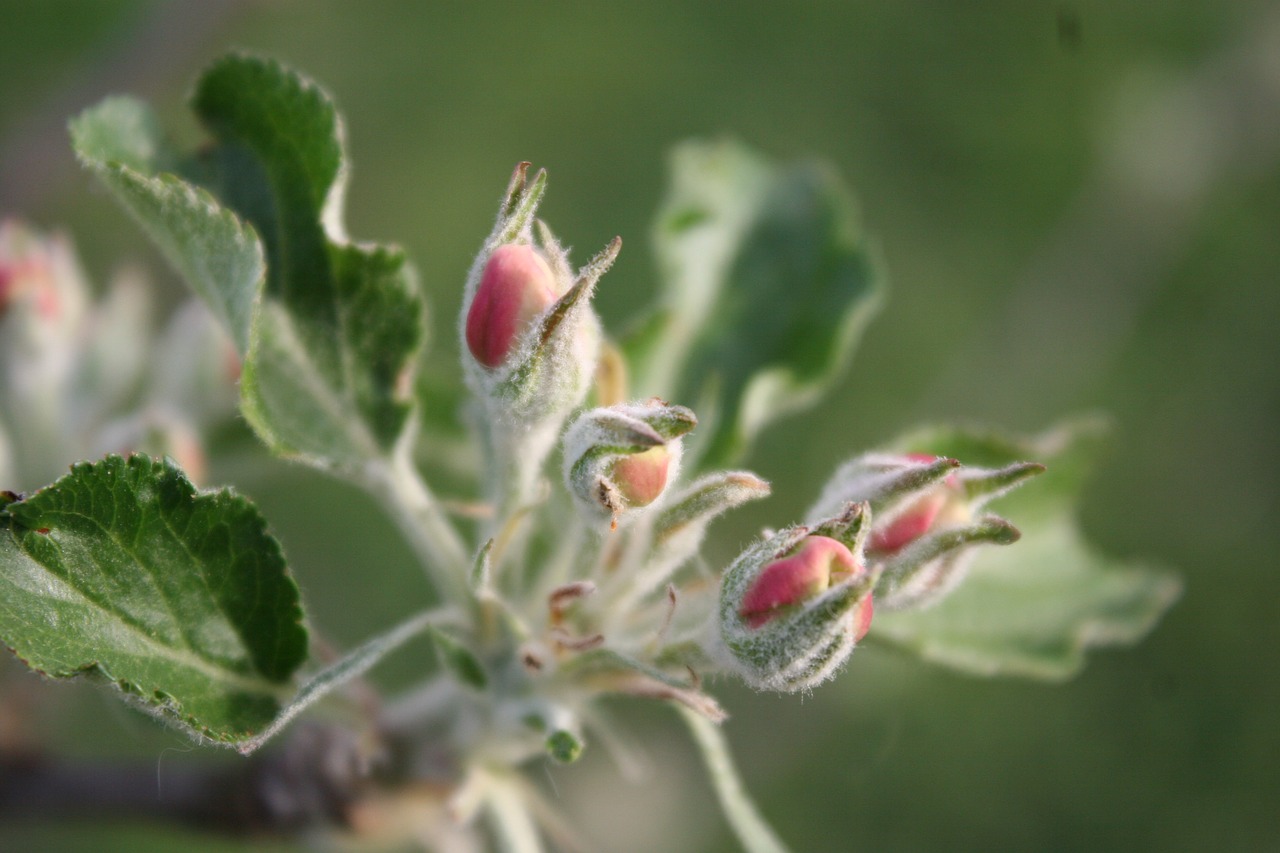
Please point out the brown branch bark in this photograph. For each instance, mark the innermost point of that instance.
(311, 781)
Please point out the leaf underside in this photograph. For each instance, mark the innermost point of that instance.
(768, 283)
(1034, 608)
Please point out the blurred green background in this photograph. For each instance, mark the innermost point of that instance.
(1079, 207)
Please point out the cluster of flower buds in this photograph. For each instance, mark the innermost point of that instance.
(619, 459)
(40, 282)
(928, 518)
(793, 605)
(75, 381)
(532, 340)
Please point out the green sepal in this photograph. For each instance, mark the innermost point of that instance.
(551, 376)
(459, 660)
(689, 512)
(931, 567)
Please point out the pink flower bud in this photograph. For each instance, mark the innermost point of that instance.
(814, 566)
(919, 517)
(909, 526)
(27, 270)
(517, 285)
(641, 477)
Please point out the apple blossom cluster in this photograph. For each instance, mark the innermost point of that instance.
(564, 545)
(889, 531)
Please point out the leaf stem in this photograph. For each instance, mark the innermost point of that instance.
(351, 666)
(512, 823)
(422, 519)
(752, 830)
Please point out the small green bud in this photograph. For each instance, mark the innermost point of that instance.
(564, 746)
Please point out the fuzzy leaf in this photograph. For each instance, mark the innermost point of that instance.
(767, 286)
(1034, 608)
(219, 256)
(181, 599)
(329, 329)
(341, 323)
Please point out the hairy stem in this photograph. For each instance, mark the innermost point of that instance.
(509, 815)
(756, 835)
(400, 487)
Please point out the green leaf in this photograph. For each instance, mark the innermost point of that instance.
(329, 375)
(460, 660)
(768, 284)
(181, 599)
(219, 256)
(1032, 609)
(329, 329)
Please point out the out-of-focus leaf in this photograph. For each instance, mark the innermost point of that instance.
(1031, 609)
(181, 599)
(460, 660)
(767, 284)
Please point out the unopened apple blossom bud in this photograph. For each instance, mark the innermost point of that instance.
(516, 286)
(928, 518)
(642, 477)
(620, 459)
(532, 340)
(919, 515)
(39, 276)
(793, 605)
(819, 562)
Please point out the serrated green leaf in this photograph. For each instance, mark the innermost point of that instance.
(767, 285)
(329, 375)
(181, 599)
(1032, 609)
(330, 329)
